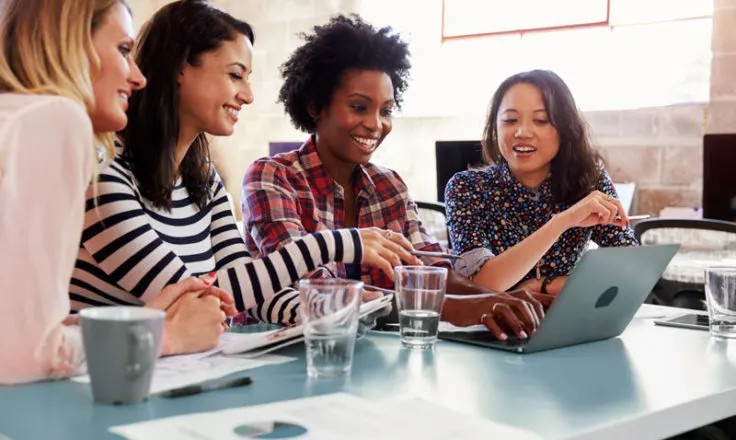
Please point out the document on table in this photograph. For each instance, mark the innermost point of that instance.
(447, 327)
(330, 417)
(178, 371)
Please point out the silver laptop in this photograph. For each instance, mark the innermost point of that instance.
(601, 296)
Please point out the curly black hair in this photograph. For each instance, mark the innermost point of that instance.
(314, 71)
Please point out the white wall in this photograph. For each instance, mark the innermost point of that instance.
(659, 147)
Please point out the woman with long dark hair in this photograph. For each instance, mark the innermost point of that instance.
(162, 212)
(524, 221)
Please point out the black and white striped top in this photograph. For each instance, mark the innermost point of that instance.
(130, 250)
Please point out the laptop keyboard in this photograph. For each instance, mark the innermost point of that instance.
(512, 341)
(484, 337)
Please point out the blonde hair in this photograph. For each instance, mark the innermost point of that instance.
(46, 48)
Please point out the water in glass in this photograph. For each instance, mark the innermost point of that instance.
(419, 328)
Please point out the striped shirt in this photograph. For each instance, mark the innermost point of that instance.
(131, 250)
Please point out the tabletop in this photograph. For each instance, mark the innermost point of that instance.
(651, 382)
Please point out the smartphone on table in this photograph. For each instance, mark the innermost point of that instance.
(686, 320)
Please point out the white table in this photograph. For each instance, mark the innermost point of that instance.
(652, 382)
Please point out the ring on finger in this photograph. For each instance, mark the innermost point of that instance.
(387, 233)
(483, 318)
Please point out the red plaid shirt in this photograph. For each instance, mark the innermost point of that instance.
(290, 195)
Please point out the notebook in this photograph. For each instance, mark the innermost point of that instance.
(256, 344)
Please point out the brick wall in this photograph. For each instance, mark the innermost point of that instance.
(722, 109)
(658, 148)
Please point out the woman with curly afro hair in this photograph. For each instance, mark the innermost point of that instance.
(341, 87)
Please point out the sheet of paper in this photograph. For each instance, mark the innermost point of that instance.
(447, 327)
(331, 417)
(178, 371)
(227, 340)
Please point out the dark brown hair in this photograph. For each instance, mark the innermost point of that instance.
(577, 166)
(178, 33)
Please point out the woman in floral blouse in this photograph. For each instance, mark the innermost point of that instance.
(525, 221)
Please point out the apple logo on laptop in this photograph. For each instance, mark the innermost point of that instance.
(606, 297)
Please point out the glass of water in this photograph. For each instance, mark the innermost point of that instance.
(329, 315)
(420, 293)
(720, 293)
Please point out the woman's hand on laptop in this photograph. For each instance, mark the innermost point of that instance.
(519, 313)
(539, 301)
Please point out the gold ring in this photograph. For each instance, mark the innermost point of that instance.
(388, 234)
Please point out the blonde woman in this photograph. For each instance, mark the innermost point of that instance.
(66, 74)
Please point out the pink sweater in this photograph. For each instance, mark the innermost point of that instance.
(46, 163)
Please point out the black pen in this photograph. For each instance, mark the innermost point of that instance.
(201, 388)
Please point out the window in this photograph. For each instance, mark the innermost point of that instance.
(467, 18)
(627, 12)
(472, 17)
(648, 53)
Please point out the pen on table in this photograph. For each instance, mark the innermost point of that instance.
(201, 388)
(434, 254)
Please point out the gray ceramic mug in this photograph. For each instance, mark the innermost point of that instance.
(121, 345)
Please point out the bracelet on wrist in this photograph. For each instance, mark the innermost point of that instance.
(545, 282)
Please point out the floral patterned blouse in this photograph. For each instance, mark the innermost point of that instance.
(489, 211)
